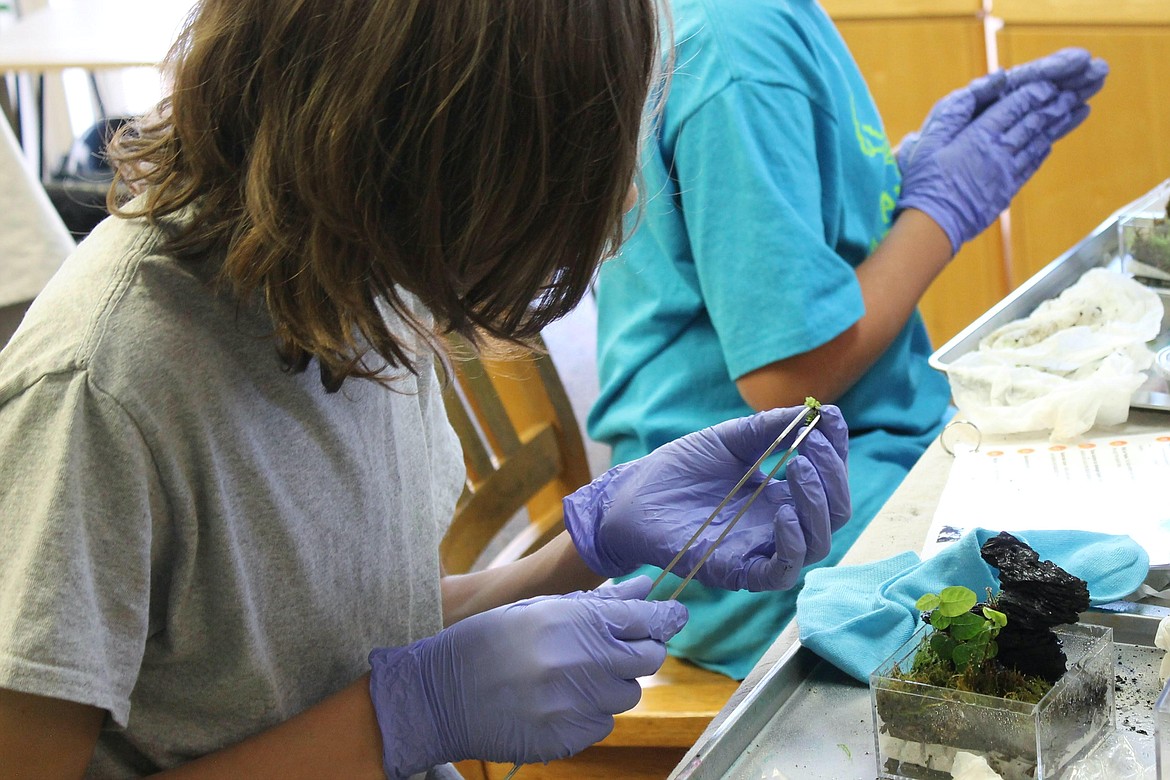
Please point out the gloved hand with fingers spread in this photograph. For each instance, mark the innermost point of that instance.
(644, 511)
(965, 169)
(532, 681)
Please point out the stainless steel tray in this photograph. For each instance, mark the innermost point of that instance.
(1099, 248)
(806, 720)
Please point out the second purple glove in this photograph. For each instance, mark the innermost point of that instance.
(644, 511)
(981, 143)
(964, 170)
(1069, 70)
(532, 681)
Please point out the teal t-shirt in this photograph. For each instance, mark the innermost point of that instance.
(769, 179)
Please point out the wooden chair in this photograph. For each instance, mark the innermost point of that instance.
(523, 450)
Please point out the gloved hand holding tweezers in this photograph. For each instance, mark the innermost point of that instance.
(645, 511)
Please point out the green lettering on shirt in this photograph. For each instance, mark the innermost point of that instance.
(873, 143)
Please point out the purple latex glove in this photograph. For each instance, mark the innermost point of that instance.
(965, 169)
(644, 511)
(1070, 70)
(532, 681)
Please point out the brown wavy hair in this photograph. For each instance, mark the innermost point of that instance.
(475, 153)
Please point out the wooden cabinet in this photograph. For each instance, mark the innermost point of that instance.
(911, 54)
(1123, 148)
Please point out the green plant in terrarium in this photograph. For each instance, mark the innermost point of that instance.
(962, 635)
(1151, 245)
(960, 653)
(995, 678)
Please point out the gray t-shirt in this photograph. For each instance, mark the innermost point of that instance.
(192, 538)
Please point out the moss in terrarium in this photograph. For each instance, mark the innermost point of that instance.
(961, 653)
(989, 678)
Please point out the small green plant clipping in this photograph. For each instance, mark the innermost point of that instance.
(962, 637)
(814, 408)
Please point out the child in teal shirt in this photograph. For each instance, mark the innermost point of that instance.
(765, 267)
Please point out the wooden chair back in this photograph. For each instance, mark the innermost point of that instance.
(523, 450)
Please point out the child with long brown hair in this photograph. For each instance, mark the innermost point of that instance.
(224, 463)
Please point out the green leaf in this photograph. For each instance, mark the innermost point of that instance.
(992, 649)
(927, 602)
(961, 656)
(956, 600)
(939, 620)
(966, 626)
(942, 645)
(995, 616)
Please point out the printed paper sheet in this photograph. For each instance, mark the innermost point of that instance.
(1113, 485)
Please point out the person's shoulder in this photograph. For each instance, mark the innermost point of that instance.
(765, 41)
(109, 298)
(778, 15)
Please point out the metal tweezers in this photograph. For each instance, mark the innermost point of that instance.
(812, 423)
(747, 504)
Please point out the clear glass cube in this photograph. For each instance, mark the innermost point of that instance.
(1143, 241)
(918, 728)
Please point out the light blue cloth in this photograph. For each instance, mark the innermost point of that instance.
(856, 616)
(769, 180)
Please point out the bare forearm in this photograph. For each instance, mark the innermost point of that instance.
(338, 737)
(554, 568)
(893, 280)
(45, 738)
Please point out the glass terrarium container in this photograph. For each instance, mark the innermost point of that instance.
(1143, 240)
(919, 728)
